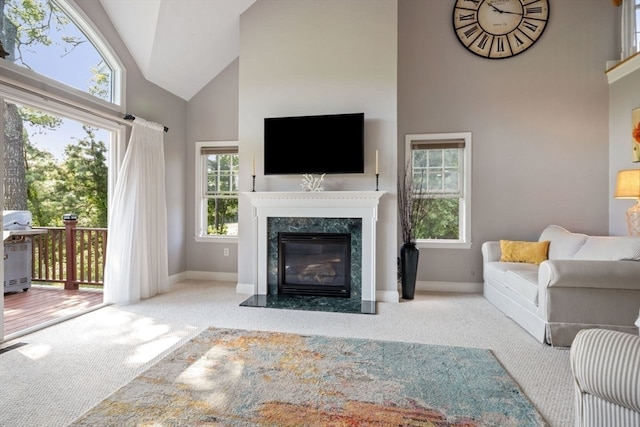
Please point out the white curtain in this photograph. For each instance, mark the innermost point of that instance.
(137, 265)
(628, 28)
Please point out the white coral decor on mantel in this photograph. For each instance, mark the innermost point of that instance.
(311, 183)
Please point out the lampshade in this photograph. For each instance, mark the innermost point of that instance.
(628, 184)
(628, 187)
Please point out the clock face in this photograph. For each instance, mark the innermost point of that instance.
(499, 29)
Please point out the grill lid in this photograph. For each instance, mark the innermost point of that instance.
(16, 220)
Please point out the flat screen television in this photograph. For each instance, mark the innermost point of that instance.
(331, 144)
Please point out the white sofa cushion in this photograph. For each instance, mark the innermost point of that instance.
(605, 248)
(523, 279)
(564, 244)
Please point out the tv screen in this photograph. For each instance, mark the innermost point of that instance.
(328, 144)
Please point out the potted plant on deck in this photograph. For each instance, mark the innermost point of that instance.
(412, 208)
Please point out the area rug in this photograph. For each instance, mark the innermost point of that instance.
(229, 377)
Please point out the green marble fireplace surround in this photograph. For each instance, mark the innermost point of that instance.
(343, 212)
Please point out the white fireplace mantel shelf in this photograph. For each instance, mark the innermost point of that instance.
(339, 199)
(316, 204)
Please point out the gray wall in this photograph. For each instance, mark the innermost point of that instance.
(543, 151)
(146, 100)
(212, 116)
(302, 57)
(539, 123)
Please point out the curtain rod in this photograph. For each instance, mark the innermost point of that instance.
(132, 117)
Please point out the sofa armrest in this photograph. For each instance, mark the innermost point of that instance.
(491, 251)
(590, 274)
(606, 364)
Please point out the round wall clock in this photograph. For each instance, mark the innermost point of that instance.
(499, 29)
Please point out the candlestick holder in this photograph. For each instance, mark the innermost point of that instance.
(253, 188)
(377, 176)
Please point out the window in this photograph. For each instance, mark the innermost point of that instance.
(441, 168)
(216, 190)
(54, 40)
(636, 26)
(56, 164)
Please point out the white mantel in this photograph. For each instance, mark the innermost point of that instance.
(318, 204)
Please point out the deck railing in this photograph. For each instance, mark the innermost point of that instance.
(70, 255)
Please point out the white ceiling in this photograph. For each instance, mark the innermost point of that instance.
(180, 45)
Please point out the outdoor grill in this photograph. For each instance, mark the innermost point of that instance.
(17, 233)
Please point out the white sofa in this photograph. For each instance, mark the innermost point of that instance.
(606, 374)
(586, 282)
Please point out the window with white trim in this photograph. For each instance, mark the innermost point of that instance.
(441, 169)
(53, 42)
(216, 190)
(636, 26)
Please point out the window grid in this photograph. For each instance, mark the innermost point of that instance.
(220, 191)
(637, 25)
(437, 171)
(222, 175)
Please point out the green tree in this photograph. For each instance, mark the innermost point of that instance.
(441, 220)
(42, 175)
(83, 181)
(221, 181)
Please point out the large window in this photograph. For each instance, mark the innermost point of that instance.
(441, 169)
(216, 190)
(54, 165)
(52, 39)
(636, 26)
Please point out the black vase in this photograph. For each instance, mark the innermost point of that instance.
(409, 254)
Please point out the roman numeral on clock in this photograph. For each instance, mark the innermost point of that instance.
(518, 41)
(483, 41)
(471, 31)
(530, 26)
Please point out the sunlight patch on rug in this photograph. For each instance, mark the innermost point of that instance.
(229, 377)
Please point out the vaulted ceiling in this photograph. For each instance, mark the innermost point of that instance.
(180, 45)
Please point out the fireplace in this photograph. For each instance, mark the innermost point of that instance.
(317, 264)
(345, 212)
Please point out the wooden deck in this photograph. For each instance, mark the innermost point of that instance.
(23, 310)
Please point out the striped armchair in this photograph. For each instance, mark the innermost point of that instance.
(606, 372)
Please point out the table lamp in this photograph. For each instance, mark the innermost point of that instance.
(628, 187)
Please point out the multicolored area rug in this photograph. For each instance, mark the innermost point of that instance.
(228, 377)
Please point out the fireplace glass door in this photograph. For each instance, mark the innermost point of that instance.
(314, 264)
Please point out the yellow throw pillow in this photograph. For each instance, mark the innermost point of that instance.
(531, 252)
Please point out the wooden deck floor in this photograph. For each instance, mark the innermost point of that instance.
(23, 310)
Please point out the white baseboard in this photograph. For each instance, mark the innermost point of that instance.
(387, 296)
(204, 275)
(177, 278)
(245, 288)
(465, 287)
(381, 296)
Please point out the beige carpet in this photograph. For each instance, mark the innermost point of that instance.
(65, 370)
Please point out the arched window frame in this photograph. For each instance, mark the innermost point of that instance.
(92, 33)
